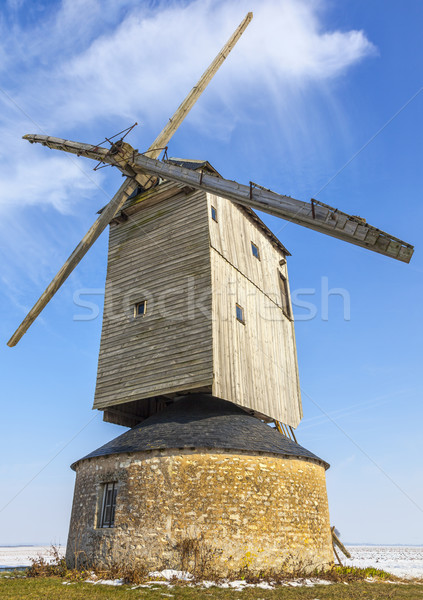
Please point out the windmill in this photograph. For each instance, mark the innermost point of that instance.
(197, 350)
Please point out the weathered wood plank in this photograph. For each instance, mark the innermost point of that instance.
(254, 364)
(169, 349)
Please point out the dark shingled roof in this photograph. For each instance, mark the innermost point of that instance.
(202, 421)
(190, 163)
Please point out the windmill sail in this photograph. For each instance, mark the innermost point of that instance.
(119, 199)
(82, 248)
(314, 215)
(173, 124)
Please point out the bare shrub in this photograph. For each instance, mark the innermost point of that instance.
(130, 572)
(197, 557)
(53, 567)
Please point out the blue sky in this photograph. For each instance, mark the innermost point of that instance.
(308, 86)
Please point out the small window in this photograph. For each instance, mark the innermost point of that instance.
(140, 308)
(255, 251)
(214, 213)
(240, 314)
(286, 307)
(108, 505)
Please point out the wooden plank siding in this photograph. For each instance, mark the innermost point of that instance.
(255, 363)
(192, 271)
(161, 255)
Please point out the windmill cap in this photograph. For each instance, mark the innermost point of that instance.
(203, 421)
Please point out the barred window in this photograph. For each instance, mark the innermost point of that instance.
(108, 505)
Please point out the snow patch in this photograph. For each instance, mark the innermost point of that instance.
(105, 581)
(172, 574)
(403, 561)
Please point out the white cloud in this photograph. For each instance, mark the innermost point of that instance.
(53, 181)
(88, 62)
(84, 68)
(152, 59)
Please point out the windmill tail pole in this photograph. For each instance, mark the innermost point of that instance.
(82, 248)
(337, 542)
(163, 138)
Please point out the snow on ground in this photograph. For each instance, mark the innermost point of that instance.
(403, 561)
(21, 556)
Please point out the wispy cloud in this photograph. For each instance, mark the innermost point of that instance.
(44, 180)
(126, 60)
(153, 58)
(84, 68)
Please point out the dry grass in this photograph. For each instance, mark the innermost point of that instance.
(56, 567)
(52, 589)
(50, 581)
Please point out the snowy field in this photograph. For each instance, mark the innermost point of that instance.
(21, 556)
(404, 561)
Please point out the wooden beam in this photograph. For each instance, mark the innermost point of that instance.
(293, 433)
(122, 160)
(332, 529)
(174, 122)
(317, 216)
(286, 430)
(278, 427)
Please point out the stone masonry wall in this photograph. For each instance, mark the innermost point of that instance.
(223, 511)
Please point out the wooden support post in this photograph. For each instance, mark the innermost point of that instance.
(337, 556)
(332, 530)
(278, 427)
(336, 541)
(291, 429)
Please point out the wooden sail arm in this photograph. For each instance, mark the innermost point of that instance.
(121, 160)
(174, 122)
(163, 138)
(126, 189)
(317, 216)
(314, 215)
(78, 148)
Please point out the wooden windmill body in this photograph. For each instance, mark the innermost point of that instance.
(197, 353)
(196, 301)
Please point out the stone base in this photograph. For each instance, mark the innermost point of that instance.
(209, 511)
